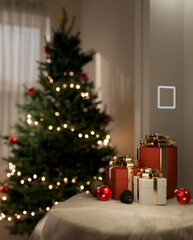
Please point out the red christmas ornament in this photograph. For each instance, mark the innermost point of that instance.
(16, 218)
(31, 92)
(83, 76)
(13, 140)
(4, 189)
(104, 193)
(108, 119)
(47, 50)
(183, 195)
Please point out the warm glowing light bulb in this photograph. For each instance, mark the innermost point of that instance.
(88, 182)
(29, 179)
(57, 89)
(48, 209)
(33, 214)
(65, 125)
(100, 178)
(58, 183)
(86, 136)
(71, 85)
(72, 129)
(4, 198)
(57, 114)
(43, 179)
(36, 123)
(106, 141)
(8, 175)
(9, 219)
(73, 180)
(29, 116)
(50, 127)
(65, 73)
(97, 135)
(87, 192)
(56, 203)
(18, 216)
(22, 181)
(92, 133)
(51, 80)
(24, 212)
(50, 187)
(80, 135)
(64, 85)
(77, 86)
(29, 121)
(99, 142)
(108, 137)
(58, 129)
(71, 74)
(41, 119)
(35, 176)
(65, 179)
(81, 187)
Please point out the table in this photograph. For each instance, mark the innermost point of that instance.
(84, 217)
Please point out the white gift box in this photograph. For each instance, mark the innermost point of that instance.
(151, 191)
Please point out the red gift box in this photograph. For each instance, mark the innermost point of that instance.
(119, 174)
(120, 181)
(117, 178)
(164, 159)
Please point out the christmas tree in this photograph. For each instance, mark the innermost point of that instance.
(61, 142)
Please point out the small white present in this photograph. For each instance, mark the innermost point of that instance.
(149, 188)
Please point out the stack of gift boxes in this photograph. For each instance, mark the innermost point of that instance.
(152, 177)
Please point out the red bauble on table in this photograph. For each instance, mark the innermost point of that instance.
(13, 140)
(104, 193)
(31, 92)
(4, 189)
(83, 76)
(183, 195)
(47, 50)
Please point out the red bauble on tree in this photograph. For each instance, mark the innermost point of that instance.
(183, 195)
(104, 193)
(13, 140)
(4, 189)
(83, 76)
(47, 50)
(17, 218)
(31, 92)
(108, 119)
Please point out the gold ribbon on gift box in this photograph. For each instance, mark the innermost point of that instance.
(149, 173)
(158, 140)
(124, 162)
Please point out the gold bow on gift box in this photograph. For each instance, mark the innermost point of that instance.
(157, 140)
(149, 173)
(128, 162)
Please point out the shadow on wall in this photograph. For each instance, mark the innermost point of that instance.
(116, 90)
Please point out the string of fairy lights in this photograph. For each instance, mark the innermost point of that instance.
(17, 216)
(41, 179)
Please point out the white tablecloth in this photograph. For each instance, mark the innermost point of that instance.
(84, 217)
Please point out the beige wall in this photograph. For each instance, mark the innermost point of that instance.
(166, 68)
(108, 27)
(188, 96)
